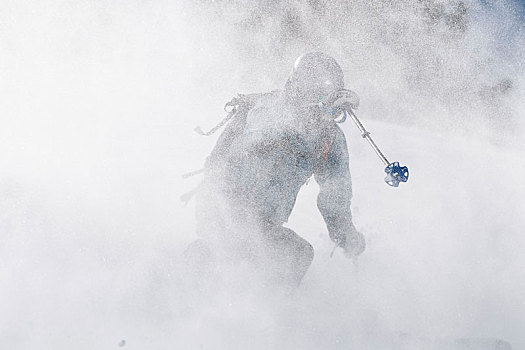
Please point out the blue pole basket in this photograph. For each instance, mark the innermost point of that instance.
(396, 174)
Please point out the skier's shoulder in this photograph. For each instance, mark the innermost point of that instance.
(266, 111)
(265, 101)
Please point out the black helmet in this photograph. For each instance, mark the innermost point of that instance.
(315, 76)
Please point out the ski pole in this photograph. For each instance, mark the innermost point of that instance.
(395, 172)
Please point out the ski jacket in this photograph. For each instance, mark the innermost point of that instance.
(260, 163)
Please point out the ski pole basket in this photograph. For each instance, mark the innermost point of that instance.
(395, 173)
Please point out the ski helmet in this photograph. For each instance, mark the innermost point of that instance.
(315, 76)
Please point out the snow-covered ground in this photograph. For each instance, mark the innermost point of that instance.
(98, 103)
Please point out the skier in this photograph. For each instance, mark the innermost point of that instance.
(266, 153)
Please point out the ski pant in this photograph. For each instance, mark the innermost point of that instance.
(236, 232)
(279, 257)
(287, 256)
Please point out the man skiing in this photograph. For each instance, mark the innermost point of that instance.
(273, 145)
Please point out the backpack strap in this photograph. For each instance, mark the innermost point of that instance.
(237, 107)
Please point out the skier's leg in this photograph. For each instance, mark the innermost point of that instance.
(201, 255)
(289, 255)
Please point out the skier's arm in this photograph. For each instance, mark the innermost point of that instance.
(333, 201)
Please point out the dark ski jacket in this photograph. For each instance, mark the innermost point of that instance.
(261, 161)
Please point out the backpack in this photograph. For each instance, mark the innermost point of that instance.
(238, 109)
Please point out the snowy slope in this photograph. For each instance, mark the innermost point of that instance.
(444, 251)
(443, 262)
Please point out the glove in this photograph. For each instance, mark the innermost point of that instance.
(342, 99)
(355, 243)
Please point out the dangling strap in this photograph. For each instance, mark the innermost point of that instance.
(334, 112)
(199, 131)
(232, 107)
(186, 197)
(237, 106)
(342, 119)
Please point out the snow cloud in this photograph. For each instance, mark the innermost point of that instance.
(99, 102)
